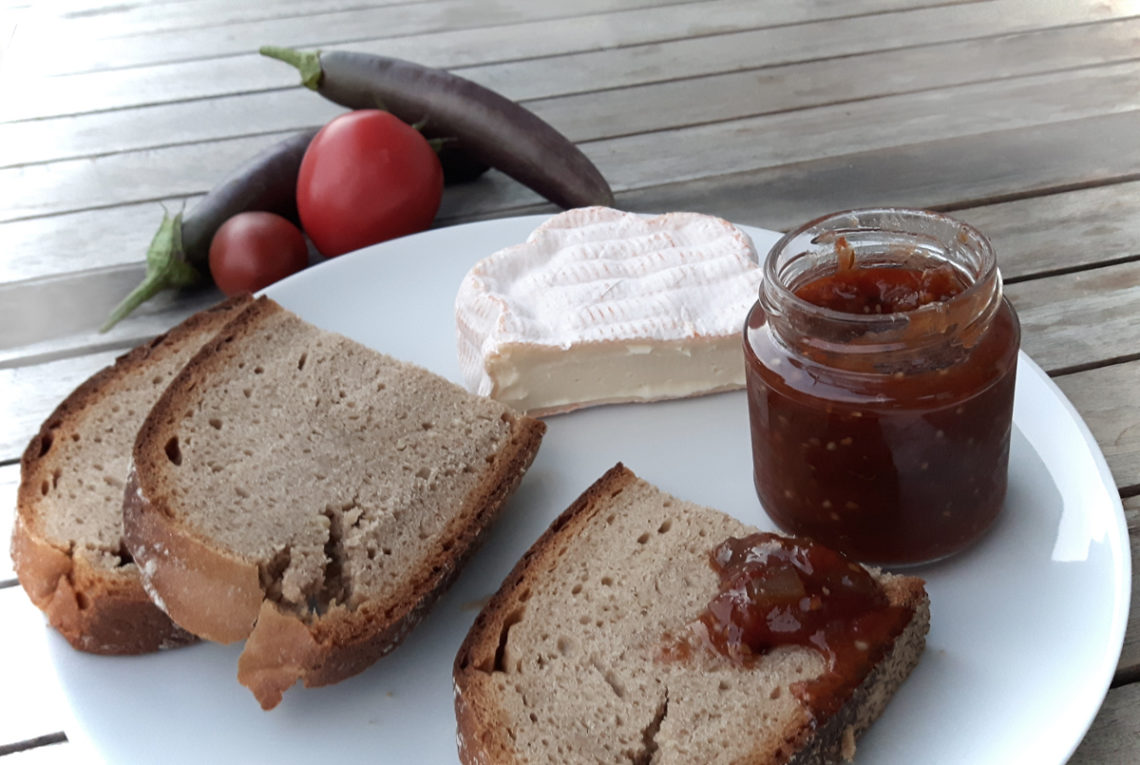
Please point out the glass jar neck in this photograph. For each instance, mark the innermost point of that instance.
(873, 239)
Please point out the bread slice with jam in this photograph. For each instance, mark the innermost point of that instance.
(602, 646)
(67, 541)
(297, 490)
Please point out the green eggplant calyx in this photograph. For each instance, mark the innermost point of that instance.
(441, 143)
(166, 268)
(308, 63)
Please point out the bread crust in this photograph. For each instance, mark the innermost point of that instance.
(97, 610)
(483, 726)
(221, 597)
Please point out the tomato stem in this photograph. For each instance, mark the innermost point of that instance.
(166, 268)
(307, 63)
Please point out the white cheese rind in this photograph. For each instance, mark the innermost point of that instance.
(601, 306)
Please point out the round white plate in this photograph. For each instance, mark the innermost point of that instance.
(1026, 630)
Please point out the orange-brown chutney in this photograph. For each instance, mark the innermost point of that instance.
(776, 591)
(880, 370)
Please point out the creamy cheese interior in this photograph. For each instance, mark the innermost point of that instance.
(544, 381)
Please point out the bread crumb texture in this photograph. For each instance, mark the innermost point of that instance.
(566, 664)
(334, 467)
(579, 653)
(336, 486)
(68, 542)
(85, 457)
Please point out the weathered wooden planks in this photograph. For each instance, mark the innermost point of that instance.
(83, 241)
(1128, 670)
(29, 394)
(691, 95)
(398, 20)
(1053, 232)
(632, 161)
(1114, 736)
(1106, 399)
(65, 312)
(36, 98)
(951, 174)
(633, 107)
(935, 174)
(49, 749)
(1080, 319)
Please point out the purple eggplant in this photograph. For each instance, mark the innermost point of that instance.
(179, 253)
(485, 126)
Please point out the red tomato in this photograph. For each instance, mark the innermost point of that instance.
(255, 249)
(367, 177)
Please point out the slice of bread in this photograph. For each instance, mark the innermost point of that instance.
(67, 541)
(568, 662)
(301, 491)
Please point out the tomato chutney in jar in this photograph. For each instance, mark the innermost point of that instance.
(880, 364)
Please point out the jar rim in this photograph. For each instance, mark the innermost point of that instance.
(980, 281)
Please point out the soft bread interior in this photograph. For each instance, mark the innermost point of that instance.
(567, 660)
(332, 468)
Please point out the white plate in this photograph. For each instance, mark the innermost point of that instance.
(1027, 625)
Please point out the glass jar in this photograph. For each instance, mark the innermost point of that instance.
(881, 358)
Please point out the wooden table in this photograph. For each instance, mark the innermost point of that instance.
(1020, 116)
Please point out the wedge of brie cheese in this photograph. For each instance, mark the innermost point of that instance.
(600, 306)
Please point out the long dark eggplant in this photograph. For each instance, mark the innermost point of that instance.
(487, 126)
(178, 255)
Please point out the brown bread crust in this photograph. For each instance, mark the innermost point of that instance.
(482, 735)
(100, 610)
(483, 726)
(220, 596)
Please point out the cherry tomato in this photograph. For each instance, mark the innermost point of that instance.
(255, 249)
(367, 177)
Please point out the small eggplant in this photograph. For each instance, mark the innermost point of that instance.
(486, 126)
(179, 253)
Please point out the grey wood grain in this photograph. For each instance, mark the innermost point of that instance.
(1069, 229)
(167, 45)
(947, 174)
(46, 750)
(633, 161)
(696, 92)
(118, 19)
(892, 121)
(57, 316)
(29, 394)
(458, 49)
(951, 172)
(1106, 399)
(82, 241)
(695, 97)
(1114, 736)
(1128, 670)
(68, 310)
(1103, 215)
(1082, 318)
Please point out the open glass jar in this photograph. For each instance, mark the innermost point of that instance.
(880, 363)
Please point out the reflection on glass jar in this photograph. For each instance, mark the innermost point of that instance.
(880, 365)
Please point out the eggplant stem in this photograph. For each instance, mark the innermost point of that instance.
(308, 63)
(166, 268)
(442, 142)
